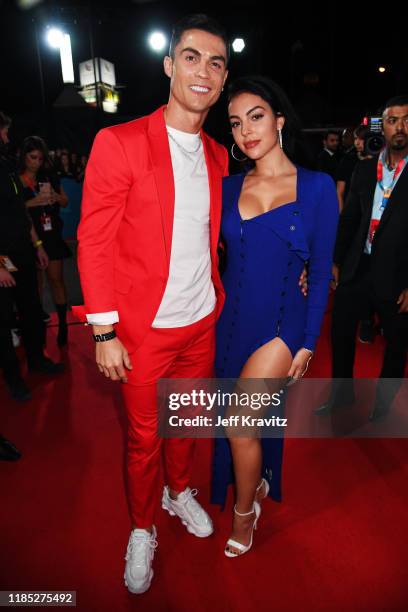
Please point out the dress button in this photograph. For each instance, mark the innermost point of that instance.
(242, 269)
(285, 278)
(292, 228)
(242, 255)
(225, 358)
(295, 212)
(289, 244)
(289, 263)
(281, 308)
(233, 324)
(283, 292)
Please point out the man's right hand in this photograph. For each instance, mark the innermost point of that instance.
(6, 279)
(112, 358)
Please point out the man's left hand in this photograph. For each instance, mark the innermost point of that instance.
(42, 258)
(403, 301)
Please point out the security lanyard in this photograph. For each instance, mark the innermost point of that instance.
(388, 190)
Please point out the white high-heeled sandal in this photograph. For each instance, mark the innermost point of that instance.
(266, 483)
(241, 547)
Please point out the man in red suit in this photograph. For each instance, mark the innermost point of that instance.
(149, 272)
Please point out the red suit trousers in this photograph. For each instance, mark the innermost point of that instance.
(182, 352)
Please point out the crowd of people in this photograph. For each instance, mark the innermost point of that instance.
(153, 293)
(68, 164)
(31, 247)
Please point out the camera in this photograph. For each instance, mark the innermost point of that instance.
(374, 140)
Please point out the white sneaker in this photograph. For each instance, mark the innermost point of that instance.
(192, 515)
(139, 557)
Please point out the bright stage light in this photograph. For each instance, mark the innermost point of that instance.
(67, 65)
(238, 45)
(157, 41)
(62, 41)
(55, 38)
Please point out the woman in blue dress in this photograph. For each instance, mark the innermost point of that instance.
(276, 218)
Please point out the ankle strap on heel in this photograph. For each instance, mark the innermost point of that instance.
(260, 484)
(244, 513)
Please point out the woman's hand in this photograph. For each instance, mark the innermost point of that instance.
(6, 279)
(42, 258)
(42, 199)
(300, 363)
(59, 198)
(55, 197)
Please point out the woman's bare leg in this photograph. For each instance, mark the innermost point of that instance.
(56, 281)
(271, 361)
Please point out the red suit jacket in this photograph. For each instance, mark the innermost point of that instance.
(126, 226)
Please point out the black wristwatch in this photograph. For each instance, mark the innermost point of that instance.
(104, 337)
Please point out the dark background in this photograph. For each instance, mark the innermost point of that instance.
(325, 58)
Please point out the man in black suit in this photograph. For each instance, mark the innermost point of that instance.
(371, 263)
(328, 159)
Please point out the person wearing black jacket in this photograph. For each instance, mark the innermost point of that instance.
(19, 250)
(371, 263)
(328, 159)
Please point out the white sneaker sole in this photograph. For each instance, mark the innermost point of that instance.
(140, 590)
(189, 527)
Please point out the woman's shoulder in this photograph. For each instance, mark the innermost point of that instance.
(315, 177)
(233, 179)
(231, 186)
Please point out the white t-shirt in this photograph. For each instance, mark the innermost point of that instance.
(189, 295)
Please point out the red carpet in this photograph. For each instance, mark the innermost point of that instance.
(338, 542)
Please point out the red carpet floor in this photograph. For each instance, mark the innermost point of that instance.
(338, 542)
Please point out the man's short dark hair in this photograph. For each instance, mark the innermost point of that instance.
(198, 21)
(5, 121)
(328, 132)
(396, 101)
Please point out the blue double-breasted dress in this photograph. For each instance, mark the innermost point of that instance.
(265, 257)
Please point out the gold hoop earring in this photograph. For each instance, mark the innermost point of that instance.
(237, 158)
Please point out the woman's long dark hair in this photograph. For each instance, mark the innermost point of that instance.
(273, 94)
(34, 143)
